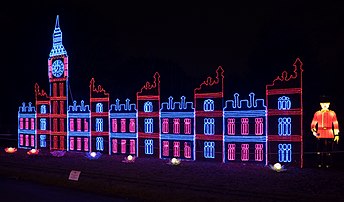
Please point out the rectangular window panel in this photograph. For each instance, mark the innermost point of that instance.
(71, 143)
(187, 150)
(27, 142)
(231, 126)
(258, 152)
(165, 149)
(114, 125)
(176, 126)
(85, 125)
(62, 142)
(259, 126)
(71, 124)
(114, 146)
(21, 123)
(187, 126)
(244, 152)
(21, 140)
(165, 125)
(42, 140)
(132, 126)
(123, 146)
(123, 125)
(244, 126)
(86, 144)
(32, 140)
(78, 124)
(132, 147)
(32, 124)
(78, 143)
(55, 142)
(176, 149)
(27, 123)
(231, 152)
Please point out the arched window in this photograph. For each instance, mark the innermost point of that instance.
(43, 124)
(148, 125)
(209, 126)
(208, 105)
(149, 146)
(284, 152)
(209, 149)
(284, 126)
(99, 124)
(99, 107)
(284, 103)
(99, 143)
(43, 109)
(148, 106)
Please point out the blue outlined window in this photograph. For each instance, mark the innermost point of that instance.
(208, 105)
(99, 107)
(209, 150)
(99, 143)
(149, 146)
(43, 141)
(43, 123)
(43, 109)
(284, 103)
(148, 106)
(99, 124)
(209, 126)
(284, 126)
(284, 152)
(148, 125)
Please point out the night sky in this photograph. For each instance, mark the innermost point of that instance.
(122, 45)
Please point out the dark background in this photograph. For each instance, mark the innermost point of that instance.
(122, 45)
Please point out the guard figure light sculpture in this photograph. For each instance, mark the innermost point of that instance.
(325, 128)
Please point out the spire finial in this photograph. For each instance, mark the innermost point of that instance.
(57, 24)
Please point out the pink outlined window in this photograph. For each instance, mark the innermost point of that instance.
(55, 142)
(231, 152)
(21, 139)
(32, 124)
(71, 124)
(187, 150)
(258, 126)
(123, 125)
(258, 152)
(21, 123)
(27, 123)
(114, 125)
(165, 125)
(123, 146)
(62, 142)
(132, 126)
(32, 140)
(71, 143)
(244, 152)
(78, 124)
(78, 143)
(176, 126)
(187, 126)
(176, 149)
(132, 146)
(165, 149)
(85, 125)
(231, 126)
(86, 144)
(27, 140)
(114, 146)
(244, 126)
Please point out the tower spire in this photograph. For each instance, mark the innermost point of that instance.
(58, 48)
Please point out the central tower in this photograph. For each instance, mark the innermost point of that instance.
(58, 79)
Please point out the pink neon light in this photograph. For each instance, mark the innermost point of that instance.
(244, 152)
(86, 144)
(71, 124)
(187, 126)
(55, 142)
(114, 125)
(210, 81)
(71, 143)
(244, 126)
(85, 125)
(32, 124)
(132, 147)
(231, 126)
(132, 126)
(258, 126)
(176, 126)
(21, 123)
(26, 123)
(32, 140)
(78, 124)
(114, 146)
(78, 143)
(123, 125)
(187, 150)
(150, 87)
(258, 152)
(99, 89)
(165, 149)
(284, 77)
(165, 125)
(231, 152)
(176, 149)
(123, 146)
(21, 139)
(27, 140)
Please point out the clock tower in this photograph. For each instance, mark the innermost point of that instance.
(58, 79)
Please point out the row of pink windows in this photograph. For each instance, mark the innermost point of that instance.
(29, 140)
(78, 125)
(176, 149)
(78, 143)
(176, 126)
(244, 129)
(123, 128)
(28, 122)
(258, 152)
(132, 146)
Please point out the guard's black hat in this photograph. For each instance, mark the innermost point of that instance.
(324, 99)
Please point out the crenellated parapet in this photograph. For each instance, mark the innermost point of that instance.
(27, 108)
(244, 104)
(82, 108)
(181, 106)
(124, 107)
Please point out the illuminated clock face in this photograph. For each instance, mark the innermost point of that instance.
(58, 68)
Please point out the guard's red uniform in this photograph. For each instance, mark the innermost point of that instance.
(325, 119)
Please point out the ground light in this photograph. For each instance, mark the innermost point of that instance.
(93, 155)
(33, 152)
(129, 159)
(10, 150)
(277, 167)
(58, 153)
(175, 161)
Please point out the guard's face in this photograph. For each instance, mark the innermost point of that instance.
(325, 105)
